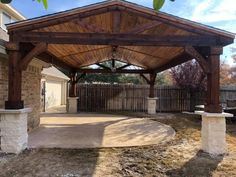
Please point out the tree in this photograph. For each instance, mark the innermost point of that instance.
(157, 4)
(233, 69)
(225, 74)
(189, 75)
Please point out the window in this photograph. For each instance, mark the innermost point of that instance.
(5, 20)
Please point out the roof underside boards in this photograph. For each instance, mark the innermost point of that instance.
(117, 17)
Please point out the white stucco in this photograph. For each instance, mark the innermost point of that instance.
(152, 103)
(13, 125)
(72, 104)
(213, 132)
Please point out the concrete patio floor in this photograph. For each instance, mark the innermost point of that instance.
(97, 130)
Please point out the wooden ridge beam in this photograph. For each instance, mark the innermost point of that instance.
(115, 39)
(198, 57)
(144, 27)
(39, 48)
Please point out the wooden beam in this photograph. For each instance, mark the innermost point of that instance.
(115, 39)
(181, 58)
(180, 24)
(130, 71)
(52, 59)
(123, 67)
(83, 52)
(116, 20)
(152, 85)
(113, 63)
(39, 48)
(213, 81)
(103, 66)
(144, 27)
(80, 77)
(14, 80)
(72, 88)
(198, 57)
(145, 78)
(90, 27)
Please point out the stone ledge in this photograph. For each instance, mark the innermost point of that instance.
(215, 115)
(73, 98)
(156, 98)
(15, 111)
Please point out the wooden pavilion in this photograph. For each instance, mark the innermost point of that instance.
(118, 31)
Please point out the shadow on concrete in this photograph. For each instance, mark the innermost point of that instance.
(202, 164)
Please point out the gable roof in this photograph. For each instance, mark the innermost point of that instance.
(124, 4)
(101, 20)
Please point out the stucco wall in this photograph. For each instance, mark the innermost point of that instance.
(30, 90)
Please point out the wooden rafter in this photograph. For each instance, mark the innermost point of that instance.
(198, 57)
(83, 52)
(140, 52)
(144, 27)
(116, 39)
(61, 18)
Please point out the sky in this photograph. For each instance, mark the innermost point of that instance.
(217, 13)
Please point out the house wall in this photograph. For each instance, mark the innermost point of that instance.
(31, 81)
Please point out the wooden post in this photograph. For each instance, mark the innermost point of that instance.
(152, 85)
(73, 87)
(14, 78)
(213, 81)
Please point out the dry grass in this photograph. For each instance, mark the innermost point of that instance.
(179, 157)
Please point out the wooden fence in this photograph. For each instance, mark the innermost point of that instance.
(106, 97)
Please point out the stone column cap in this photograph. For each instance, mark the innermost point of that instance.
(219, 115)
(15, 111)
(155, 98)
(73, 98)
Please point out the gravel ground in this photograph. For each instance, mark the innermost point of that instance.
(179, 157)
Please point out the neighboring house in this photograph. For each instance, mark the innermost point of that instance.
(31, 80)
(54, 88)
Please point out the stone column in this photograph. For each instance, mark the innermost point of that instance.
(72, 103)
(213, 132)
(13, 125)
(152, 104)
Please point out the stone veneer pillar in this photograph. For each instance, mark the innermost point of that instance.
(213, 132)
(152, 104)
(72, 106)
(13, 126)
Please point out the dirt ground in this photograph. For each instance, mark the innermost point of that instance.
(179, 157)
